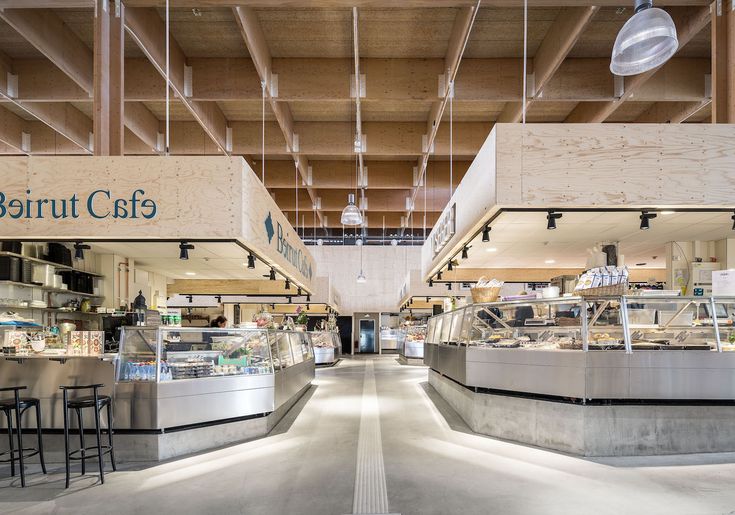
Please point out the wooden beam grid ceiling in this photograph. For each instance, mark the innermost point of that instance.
(53, 105)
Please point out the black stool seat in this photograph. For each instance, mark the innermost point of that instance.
(88, 401)
(19, 405)
(96, 403)
(24, 402)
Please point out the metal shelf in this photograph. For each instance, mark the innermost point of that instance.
(51, 263)
(50, 310)
(50, 289)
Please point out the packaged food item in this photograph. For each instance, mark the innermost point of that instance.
(75, 343)
(95, 343)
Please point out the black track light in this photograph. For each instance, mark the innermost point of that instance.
(645, 220)
(79, 249)
(289, 300)
(308, 297)
(465, 252)
(298, 291)
(184, 249)
(272, 275)
(288, 284)
(251, 261)
(551, 218)
(486, 233)
(450, 266)
(307, 307)
(273, 306)
(431, 281)
(733, 221)
(427, 299)
(449, 286)
(439, 275)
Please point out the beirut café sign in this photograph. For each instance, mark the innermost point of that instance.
(99, 205)
(290, 252)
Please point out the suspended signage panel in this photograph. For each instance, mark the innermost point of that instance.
(141, 198)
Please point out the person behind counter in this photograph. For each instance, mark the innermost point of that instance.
(220, 322)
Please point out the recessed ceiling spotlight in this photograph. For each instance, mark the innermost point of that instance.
(190, 273)
(550, 261)
(668, 212)
(491, 249)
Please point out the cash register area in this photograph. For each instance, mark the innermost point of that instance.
(430, 461)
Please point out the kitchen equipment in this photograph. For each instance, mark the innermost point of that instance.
(59, 253)
(85, 306)
(550, 292)
(565, 283)
(15, 247)
(67, 327)
(10, 269)
(42, 274)
(26, 271)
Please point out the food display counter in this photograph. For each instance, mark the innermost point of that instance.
(412, 342)
(600, 364)
(327, 347)
(176, 377)
(390, 339)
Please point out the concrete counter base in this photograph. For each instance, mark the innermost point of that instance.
(593, 430)
(147, 447)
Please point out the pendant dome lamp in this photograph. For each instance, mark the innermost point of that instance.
(350, 214)
(646, 41)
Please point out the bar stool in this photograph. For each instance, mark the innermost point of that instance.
(19, 405)
(97, 402)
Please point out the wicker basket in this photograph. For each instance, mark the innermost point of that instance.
(613, 290)
(482, 295)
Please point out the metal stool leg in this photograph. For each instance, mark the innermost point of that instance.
(66, 438)
(99, 439)
(10, 442)
(20, 442)
(109, 435)
(40, 437)
(80, 421)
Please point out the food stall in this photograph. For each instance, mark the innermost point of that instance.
(637, 369)
(151, 224)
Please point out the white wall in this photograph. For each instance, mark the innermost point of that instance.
(384, 267)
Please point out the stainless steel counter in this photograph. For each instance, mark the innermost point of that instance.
(657, 374)
(154, 406)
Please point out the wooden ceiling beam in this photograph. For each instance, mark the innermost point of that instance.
(12, 128)
(414, 80)
(255, 41)
(671, 112)
(144, 124)
(148, 30)
(688, 23)
(561, 37)
(723, 61)
(374, 4)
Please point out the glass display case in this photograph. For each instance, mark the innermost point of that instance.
(390, 338)
(628, 323)
(161, 354)
(326, 345)
(412, 341)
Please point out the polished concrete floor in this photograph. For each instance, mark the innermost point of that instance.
(430, 461)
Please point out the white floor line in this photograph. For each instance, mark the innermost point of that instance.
(371, 493)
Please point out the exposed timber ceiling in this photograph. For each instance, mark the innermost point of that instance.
(405, 54)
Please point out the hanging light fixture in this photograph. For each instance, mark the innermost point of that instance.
(79, 249)
(184, 249)
(361, 276)
(486, 233)
(350, 214)
(251, 261)
(272, 275)
(645, 220)
(551, 218)
(646, 41)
